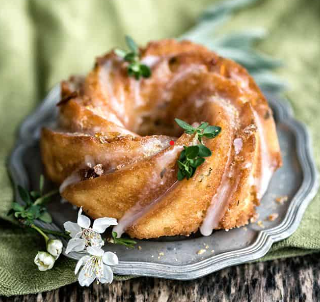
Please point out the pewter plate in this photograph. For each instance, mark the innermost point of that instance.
(179, 257)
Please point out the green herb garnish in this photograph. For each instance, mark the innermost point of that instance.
(135, 68)
(122, 241)
(204, 130)
(190, 159)
(194, 156)
(34, 205)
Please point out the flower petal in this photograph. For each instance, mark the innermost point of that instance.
(72, 227)
(100, 224)
(83, 221)
(85, 279)
(107, 275)
(76, 245)
(110, 258)
(81, 262)
(95, 251)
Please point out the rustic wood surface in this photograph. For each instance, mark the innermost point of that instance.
(293, 279)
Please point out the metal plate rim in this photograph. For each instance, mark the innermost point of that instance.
(265, 239)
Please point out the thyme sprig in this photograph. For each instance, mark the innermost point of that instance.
(122, 241)
(194, 156)
(204, 130)
(135, 68)
(34, 205)
(34, 208)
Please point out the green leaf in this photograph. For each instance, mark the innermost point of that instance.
(225, 7)
(184, 125)
(35, 195)
(198, 162)
(17, 207)
(45, 217)
(34, 210)
(204, 151)
(132, 45)
(41, 183)
(181, 176)
(211, 131)
(242, 40)
(24, 194)
(192, 152)
(203, 125)
(145, 71)
(130, 57)
(120, 52)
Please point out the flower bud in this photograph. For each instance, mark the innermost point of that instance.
(54, 247)
(44, 261)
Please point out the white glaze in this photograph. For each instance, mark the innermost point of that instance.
(180, 76)
(266, 164)
(238, 144)
(138, 210)
(150, 60)
(224, 191)
(218, 201)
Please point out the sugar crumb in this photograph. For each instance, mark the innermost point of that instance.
(200, 252)
(273, 217)
(260, 224)
(281, 199)
(254, 218)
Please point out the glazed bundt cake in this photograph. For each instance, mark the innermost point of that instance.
(117, 150)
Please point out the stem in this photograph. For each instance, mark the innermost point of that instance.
(40, 231)
(42, 198)
(57, 233)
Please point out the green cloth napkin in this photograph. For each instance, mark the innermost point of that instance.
(43, 42)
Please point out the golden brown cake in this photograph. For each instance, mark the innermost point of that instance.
(116, 146)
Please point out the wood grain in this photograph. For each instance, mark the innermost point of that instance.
(293, 279)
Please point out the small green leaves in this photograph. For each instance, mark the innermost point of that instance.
(190, 159)
(204, 130)
(33, 207)
(122, 241)
(132, 45)
(194, 156)
(135, 68)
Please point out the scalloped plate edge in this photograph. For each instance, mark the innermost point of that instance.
(265, 239)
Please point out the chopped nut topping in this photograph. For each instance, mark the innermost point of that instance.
(273, 216)
(200, 252)
(250, 129)
(254, 218)
(282, 199)
(260, 224)
(101, 137)
(91, 173)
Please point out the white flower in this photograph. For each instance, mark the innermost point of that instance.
(44, 261)
(54, 247)
(96, 266)
(83, 235)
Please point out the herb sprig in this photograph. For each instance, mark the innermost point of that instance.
(135, 68)
(194, 156)
(34, 205)
(204, 130)
(122, 241)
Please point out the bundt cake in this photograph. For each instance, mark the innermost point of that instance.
(130, 135)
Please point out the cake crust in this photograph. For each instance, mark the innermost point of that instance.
(124, 127)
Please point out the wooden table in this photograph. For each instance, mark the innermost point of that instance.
(293, 279)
